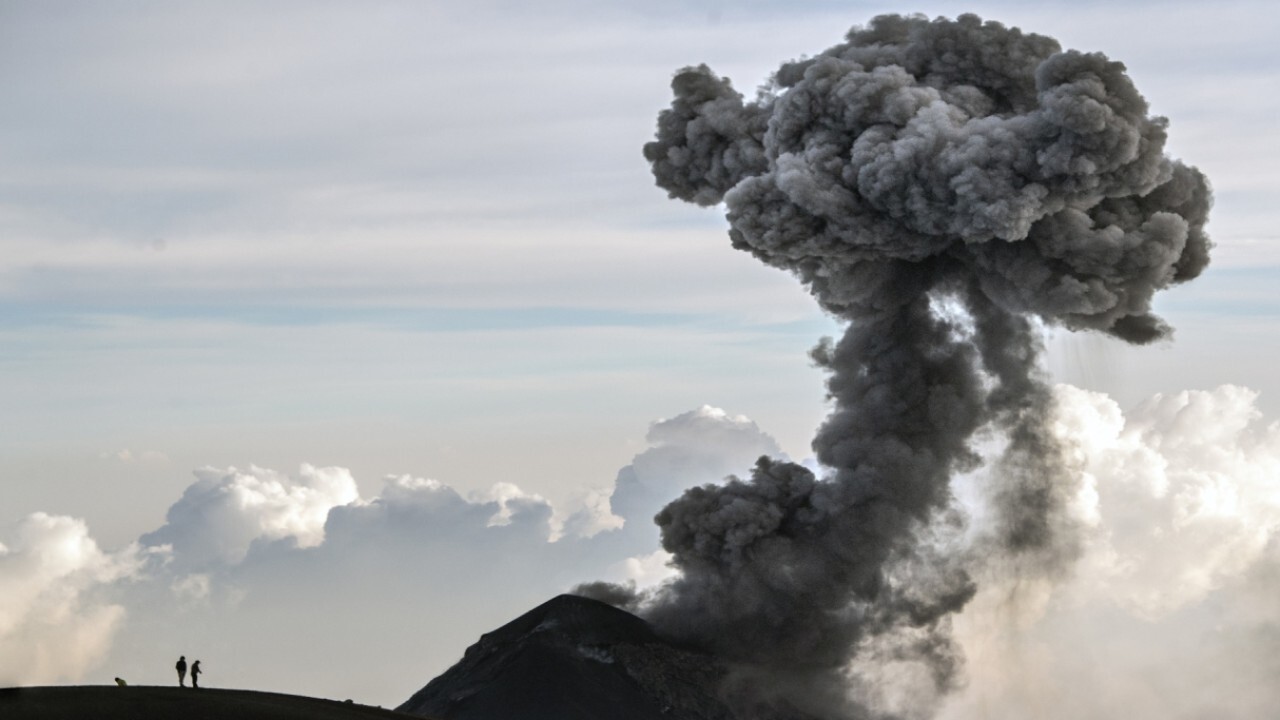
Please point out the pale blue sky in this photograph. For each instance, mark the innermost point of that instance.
(337, 214)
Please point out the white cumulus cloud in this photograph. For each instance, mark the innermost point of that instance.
(701, 446)
(255, 568)
(54, 624)
(225, 511)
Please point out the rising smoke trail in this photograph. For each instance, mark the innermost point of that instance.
(944, 186)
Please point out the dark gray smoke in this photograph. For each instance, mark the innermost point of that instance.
(945, 187)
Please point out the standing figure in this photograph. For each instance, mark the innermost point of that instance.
(181, 667)
(195, 674)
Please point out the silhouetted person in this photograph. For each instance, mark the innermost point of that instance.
(195, 674)
(181, 667)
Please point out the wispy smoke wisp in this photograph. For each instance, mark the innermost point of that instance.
(944, 186)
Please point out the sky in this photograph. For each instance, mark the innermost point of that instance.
(334, 334)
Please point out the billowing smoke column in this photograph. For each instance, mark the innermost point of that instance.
(944, 186)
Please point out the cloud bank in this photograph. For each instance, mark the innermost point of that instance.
(291, 581)
(287, 580)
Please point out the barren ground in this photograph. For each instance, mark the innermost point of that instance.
(172, 703)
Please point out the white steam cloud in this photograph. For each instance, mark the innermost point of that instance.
(1170, 611)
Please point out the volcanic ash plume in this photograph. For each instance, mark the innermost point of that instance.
(945, 187)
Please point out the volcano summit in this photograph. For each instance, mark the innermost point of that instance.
(573, 658)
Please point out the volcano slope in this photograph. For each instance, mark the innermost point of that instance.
(573, 658)
(167, 703)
